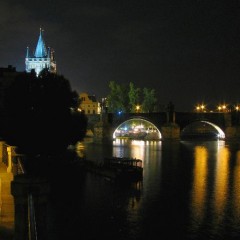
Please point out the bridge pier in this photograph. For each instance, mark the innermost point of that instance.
(232, 132)
(170, 131)
(102, 130)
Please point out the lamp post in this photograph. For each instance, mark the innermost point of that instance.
(200, 108)
(137, 108)
(222, 108)
(219, 108)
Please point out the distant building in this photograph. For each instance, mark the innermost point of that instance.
(42, 58)
(7, 76)
(89, 104)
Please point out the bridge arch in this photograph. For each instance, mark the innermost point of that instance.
(137, 128)
(202, 128)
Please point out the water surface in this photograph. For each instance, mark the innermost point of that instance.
(190, 190)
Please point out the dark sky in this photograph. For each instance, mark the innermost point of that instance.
(188, 51)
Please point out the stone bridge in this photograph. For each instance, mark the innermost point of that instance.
(169, 124)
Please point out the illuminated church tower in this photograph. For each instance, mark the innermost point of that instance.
(42, 58)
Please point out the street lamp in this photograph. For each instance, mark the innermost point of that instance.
(200, 108)
(137, 108)
(197, 108)
(222, 108)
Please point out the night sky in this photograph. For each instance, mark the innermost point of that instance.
(188, 51)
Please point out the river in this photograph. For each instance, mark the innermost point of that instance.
(190, 190)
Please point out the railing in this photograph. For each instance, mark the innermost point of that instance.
(32, 229)
(17, 164)
(32, 226)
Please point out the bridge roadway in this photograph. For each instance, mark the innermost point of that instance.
(228, 122)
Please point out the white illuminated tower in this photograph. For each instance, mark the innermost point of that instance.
(42, 58)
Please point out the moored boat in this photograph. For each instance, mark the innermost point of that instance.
(124, 168)
(116, 168)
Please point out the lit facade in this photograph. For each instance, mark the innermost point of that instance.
(89, 104)
(42, 58)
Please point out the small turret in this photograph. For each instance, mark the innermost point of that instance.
(48, 54)
(27, 54)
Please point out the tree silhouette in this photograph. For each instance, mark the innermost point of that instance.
(39, 115)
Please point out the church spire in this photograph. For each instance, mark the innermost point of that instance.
(43, 58)
(41, 50)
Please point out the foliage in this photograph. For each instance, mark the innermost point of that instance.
(149, 100)
(39, 114)
(134, 97)
(117, 98)
(125, 98)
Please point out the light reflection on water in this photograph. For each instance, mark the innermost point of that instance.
(191, 187)
(136, 149)
(198, 193)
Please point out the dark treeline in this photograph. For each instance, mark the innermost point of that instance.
(40, 116)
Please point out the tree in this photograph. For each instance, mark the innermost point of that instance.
(39, 115)
(117, 98)
(134, 97)
(124, 98)
(149, 100)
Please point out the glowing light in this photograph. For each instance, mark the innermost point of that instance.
(137, 129)
(199, 182)
(221, 182)
(201, 107)
(221, 134)
(137, 108)
(222, 107)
